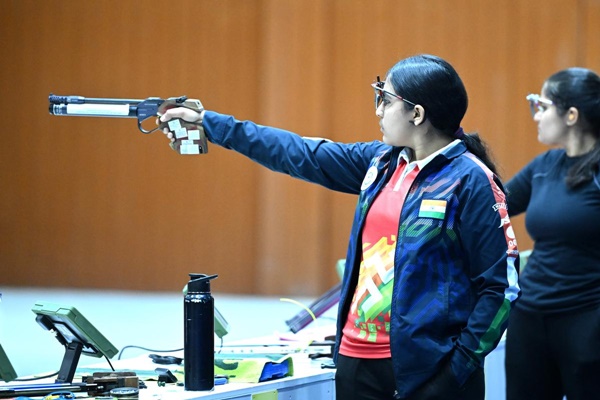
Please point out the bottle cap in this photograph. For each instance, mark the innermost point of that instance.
(199, 283)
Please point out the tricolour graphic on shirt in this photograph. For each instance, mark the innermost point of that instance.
(433, 209)
(370, 309)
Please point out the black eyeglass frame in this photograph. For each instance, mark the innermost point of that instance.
(380, 92)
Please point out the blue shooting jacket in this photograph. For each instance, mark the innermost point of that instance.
(456, 270)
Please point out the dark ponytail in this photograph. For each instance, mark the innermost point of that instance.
(432, 82)
(584, 169)
(481, 150)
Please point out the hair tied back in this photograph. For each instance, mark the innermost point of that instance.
(459, 134)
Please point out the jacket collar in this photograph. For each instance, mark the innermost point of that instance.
(450, 151)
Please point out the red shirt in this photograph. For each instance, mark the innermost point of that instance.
(366, 333)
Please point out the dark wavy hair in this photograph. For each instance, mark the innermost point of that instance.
(434, 84)
(578, 88)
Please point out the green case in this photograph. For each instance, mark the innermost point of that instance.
(7, 372)
(73, 326)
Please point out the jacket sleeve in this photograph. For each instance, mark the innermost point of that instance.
(336, 166)
(491, 254)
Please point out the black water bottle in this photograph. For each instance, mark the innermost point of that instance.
(199, 334)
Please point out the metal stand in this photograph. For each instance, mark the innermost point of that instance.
(69, 363)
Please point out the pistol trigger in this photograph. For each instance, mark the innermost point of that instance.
(146, 131)
(149, 126)
(163, 125)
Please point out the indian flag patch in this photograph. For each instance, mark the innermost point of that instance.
(433, 209)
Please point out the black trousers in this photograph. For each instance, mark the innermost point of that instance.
(366, 379)
(548, 357)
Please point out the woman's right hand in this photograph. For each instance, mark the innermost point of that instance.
(183, 113)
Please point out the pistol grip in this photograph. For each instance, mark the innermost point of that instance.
(189, 138)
